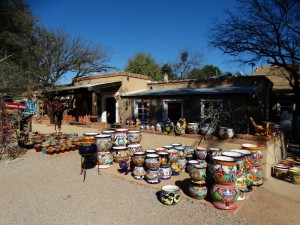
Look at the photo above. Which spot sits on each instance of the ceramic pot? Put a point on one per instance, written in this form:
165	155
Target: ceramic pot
103	142
125	166
166	172
202	162
152	161
256	150
226	132
170	194
121	137
193	128
212	152
176	145
150	151
224	196
258	175
189	150
181	151
120	153
248	158
134	148
190	164
200	152
164	159
89	136
173	155
109	132
175	168
294	174
138	172
198	190
105	159
87	148
280	171
138	158
168	147
153	176
159	149
134	137
239	157
198	174
182	164
206	129
223	170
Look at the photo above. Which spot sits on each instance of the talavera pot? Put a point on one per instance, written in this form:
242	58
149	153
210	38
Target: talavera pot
198	190
120	153
134	137
224	170
224	196
226	132
105	159
170	194
166	172
138	158
152	161
104	142
138	172
153	176
198	174
193	128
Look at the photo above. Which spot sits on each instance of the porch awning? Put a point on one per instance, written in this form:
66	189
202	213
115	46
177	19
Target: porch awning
89	87
190	92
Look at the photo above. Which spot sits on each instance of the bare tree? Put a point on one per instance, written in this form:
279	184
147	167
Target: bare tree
265	31
56	53
189	60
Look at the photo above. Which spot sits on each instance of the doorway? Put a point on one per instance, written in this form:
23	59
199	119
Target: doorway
110	103
174	111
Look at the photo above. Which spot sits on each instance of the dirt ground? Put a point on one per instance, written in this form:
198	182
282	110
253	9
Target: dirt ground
275	202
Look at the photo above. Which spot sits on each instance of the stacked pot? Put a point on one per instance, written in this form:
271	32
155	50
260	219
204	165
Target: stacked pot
104	142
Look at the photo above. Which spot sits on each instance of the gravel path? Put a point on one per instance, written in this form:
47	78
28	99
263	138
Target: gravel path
40	189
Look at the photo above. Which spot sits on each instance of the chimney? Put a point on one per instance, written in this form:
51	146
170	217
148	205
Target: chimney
166	76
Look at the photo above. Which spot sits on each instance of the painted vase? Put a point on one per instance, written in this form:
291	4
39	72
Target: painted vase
223	170
134	137
120	153
159	149
224	196
170	194
138	172
248	158
212	152
166	172
152	161
134	148
181	151
103	142
105	159
200	152
193	128
175	168
281	171
198	190
239	157
190	164
138	158
189	150
173	155
226	132
198	174
258	175
153	176
164	159
109	132
182	164
202	162
120	137
257	153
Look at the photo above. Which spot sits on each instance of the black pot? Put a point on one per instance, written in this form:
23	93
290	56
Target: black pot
87	149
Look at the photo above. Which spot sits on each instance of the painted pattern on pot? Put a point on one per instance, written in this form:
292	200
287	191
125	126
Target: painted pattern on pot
239	157
104	142
153	176
224	196
198	173
120	137
173	155
120	153
181	151
138	158
212	152
182	164
134	148
138	172
164	159
223	169
201	152
193	128
198	190
258	175
166	172
256	150
105	159
190	164
170	194
189	150
152	161
226	132
175	168
134	137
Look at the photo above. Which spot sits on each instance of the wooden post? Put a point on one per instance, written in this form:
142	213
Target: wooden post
94	104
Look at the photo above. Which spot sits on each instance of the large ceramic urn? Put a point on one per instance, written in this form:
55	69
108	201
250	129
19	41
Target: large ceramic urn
121	137
120	153
134	137
224	169
152	161
104	142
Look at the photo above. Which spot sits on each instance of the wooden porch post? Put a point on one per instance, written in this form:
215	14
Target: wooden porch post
94	104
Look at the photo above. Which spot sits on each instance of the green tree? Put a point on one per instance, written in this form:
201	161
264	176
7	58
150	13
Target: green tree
262	31
206	72
144	64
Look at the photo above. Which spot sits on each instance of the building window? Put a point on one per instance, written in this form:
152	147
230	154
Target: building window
141	110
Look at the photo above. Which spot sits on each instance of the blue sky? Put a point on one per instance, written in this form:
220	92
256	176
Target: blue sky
161	28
